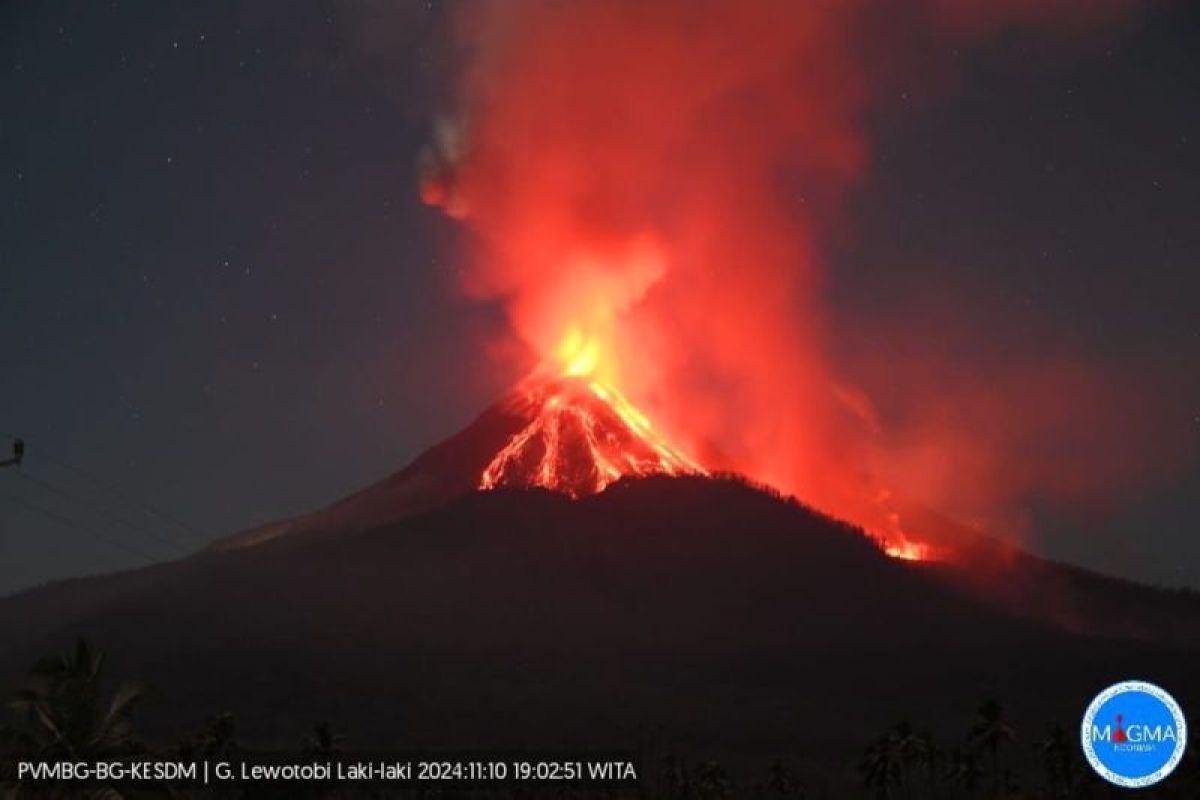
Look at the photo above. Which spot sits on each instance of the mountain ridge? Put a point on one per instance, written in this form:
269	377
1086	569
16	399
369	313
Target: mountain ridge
520	617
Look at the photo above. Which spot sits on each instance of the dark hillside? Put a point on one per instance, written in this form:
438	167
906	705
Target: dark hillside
702	613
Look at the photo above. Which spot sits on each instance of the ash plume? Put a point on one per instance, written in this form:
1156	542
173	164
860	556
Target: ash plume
666	178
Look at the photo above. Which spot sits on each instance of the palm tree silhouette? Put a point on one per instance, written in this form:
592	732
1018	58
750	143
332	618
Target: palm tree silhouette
323	743
910	748
1058	761
673	778
781	782
62	714
962	770
989	731
928	755
712	782
218	738
882	765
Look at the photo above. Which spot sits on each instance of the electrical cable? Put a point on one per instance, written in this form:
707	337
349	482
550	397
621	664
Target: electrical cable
45	485
98	482
67	522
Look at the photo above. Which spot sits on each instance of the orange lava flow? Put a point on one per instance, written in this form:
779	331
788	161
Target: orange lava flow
582	433
581	437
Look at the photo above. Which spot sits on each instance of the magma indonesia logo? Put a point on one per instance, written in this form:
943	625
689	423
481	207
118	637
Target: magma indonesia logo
1134	734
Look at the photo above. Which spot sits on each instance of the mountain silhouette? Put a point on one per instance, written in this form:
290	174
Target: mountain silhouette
699	612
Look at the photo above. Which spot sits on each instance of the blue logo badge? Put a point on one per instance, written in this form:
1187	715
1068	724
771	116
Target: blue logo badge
1134	734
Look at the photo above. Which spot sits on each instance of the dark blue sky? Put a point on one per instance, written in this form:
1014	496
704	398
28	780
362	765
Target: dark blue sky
221	296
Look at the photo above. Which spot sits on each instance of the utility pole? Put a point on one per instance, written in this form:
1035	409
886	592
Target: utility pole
18	453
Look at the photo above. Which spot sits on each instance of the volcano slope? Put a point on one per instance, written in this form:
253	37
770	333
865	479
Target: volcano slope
687	613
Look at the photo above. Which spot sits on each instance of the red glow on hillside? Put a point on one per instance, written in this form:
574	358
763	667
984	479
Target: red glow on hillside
582	435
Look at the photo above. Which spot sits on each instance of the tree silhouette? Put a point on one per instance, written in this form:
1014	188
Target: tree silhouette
929	756
323	743
781	782
962	770
910	748
1057	753
711	781
216	740
673	777
882	765
62	714
988	732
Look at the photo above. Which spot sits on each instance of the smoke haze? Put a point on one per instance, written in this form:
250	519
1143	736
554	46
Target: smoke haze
667	179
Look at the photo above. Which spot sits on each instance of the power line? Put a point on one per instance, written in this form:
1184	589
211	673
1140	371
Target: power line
116	492
101	509
65	521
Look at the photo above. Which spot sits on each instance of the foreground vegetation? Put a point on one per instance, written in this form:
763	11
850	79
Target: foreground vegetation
66	711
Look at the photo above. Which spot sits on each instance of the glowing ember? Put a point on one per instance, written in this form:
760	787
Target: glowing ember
892	537
907	550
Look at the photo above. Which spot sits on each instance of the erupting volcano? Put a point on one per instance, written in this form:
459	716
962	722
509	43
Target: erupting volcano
654	196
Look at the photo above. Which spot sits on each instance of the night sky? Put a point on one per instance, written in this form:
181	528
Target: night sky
224	303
